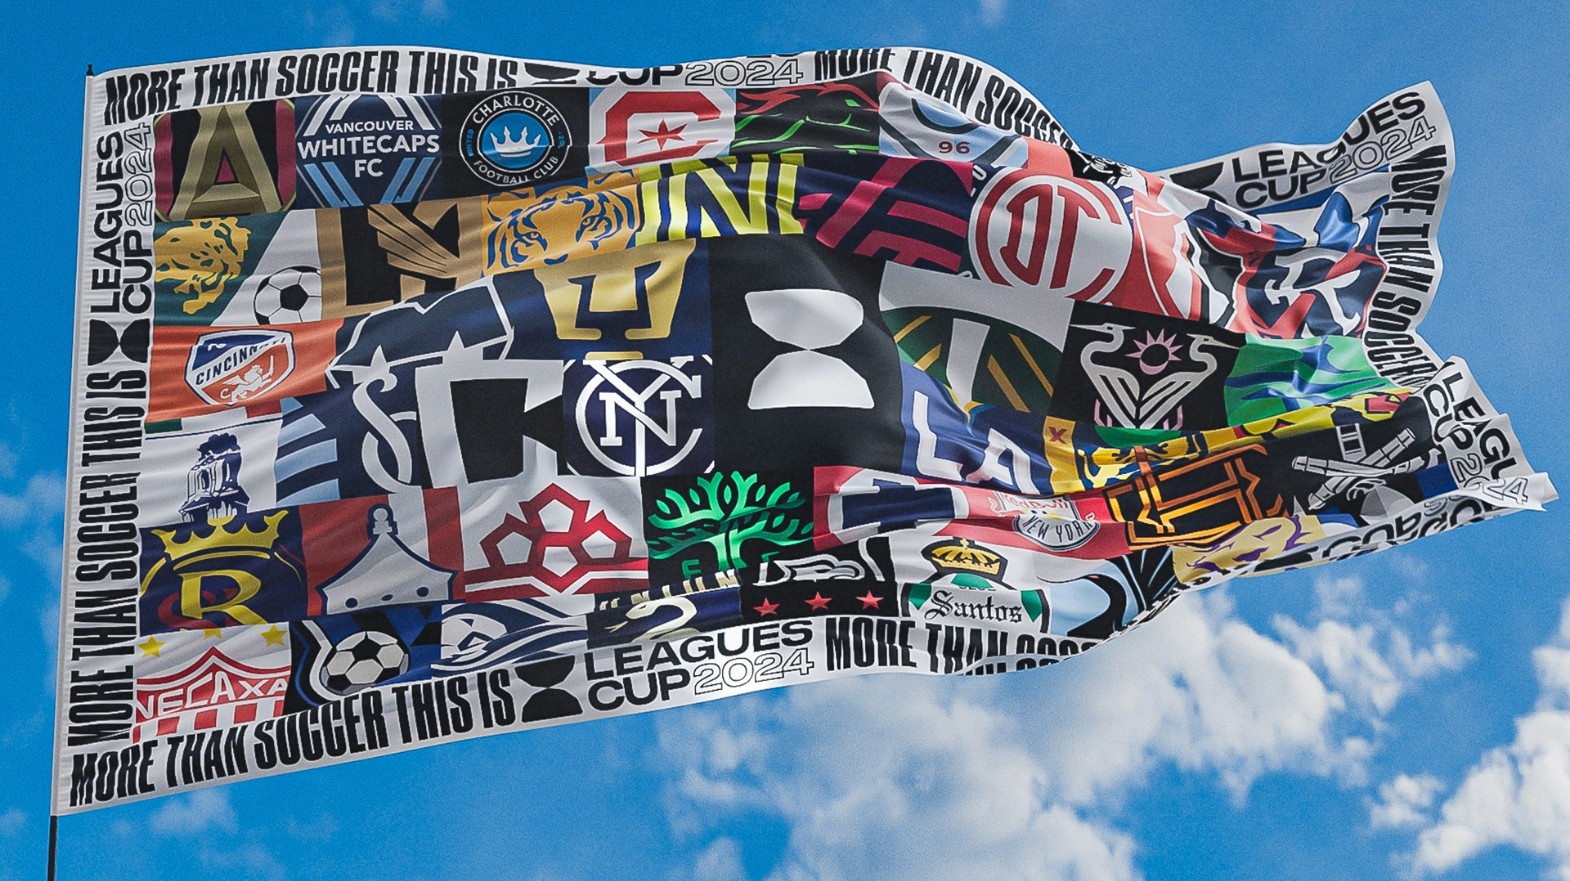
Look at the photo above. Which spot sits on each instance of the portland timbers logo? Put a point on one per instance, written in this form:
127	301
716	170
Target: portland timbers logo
514	138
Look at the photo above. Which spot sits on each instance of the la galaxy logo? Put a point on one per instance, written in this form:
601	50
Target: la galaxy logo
514	138
229	367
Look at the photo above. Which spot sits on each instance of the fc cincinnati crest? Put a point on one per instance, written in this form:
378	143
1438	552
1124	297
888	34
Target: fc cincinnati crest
230	367
514	138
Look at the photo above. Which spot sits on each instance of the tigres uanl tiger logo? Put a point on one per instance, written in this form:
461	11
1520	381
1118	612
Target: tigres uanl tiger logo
201	257
535	227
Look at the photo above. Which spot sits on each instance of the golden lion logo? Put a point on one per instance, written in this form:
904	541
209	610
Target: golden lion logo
200	258
564	222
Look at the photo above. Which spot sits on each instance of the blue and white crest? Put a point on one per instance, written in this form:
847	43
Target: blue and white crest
229	367
366	149
514	139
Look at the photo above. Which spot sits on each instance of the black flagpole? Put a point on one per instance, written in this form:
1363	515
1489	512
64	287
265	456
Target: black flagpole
54	835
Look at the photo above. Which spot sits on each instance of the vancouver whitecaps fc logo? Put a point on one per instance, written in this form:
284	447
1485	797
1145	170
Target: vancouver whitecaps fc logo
230	367
514	138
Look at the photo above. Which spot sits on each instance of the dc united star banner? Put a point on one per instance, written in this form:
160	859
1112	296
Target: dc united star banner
421	395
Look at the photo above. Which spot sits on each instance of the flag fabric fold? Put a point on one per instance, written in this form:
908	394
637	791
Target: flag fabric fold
421	395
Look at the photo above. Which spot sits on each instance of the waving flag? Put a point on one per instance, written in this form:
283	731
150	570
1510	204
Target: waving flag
422	395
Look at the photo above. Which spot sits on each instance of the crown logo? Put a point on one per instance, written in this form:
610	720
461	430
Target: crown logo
512	147
219	538
960	555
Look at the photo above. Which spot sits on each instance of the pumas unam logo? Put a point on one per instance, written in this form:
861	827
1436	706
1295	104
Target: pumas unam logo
514	138
229	367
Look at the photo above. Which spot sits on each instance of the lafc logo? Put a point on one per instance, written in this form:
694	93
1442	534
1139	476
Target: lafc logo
643	417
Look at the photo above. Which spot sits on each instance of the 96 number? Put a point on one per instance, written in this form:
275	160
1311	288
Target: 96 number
961	148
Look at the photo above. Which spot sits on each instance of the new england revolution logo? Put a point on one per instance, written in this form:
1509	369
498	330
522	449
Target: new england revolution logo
232	366
514	138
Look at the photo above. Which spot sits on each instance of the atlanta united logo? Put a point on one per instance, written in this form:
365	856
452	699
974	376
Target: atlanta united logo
230	367
514	138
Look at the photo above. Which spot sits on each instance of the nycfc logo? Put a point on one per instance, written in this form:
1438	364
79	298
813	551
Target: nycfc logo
809	319
514	138
636	417
230	367
1069	236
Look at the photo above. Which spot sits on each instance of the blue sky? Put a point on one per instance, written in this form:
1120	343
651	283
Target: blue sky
1397	716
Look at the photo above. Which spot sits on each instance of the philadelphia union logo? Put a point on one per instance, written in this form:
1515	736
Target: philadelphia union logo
514	138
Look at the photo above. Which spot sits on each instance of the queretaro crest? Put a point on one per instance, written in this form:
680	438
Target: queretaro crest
229	367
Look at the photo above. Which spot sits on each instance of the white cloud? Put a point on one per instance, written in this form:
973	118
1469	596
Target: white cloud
42	498
992	11
194	812
335	22
888	777
1368	663
36	508
400	10
720	861
11	822
1516	795
1404	801
1015	776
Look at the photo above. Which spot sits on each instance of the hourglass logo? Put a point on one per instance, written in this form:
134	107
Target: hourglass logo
810	319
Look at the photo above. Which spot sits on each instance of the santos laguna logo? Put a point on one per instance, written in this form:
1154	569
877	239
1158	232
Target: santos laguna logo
1069	236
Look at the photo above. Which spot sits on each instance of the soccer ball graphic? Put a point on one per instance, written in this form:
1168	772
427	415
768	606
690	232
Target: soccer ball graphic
361	660
289	295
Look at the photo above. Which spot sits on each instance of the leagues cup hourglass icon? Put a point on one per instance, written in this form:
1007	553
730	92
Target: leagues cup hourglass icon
809	319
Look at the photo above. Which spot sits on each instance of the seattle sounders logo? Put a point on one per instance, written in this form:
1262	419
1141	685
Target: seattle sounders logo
514	138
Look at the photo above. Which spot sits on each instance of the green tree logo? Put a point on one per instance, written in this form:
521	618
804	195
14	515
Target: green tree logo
724	511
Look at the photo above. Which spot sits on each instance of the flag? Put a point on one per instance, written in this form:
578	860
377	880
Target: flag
423	395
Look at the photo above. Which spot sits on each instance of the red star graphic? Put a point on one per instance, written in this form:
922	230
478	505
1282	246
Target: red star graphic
869	601
818	602
766	608
662	134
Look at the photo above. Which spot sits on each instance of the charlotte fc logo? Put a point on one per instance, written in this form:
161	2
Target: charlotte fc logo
229	367
514	138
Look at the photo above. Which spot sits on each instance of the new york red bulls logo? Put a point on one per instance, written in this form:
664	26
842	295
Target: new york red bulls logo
1067	235
229	367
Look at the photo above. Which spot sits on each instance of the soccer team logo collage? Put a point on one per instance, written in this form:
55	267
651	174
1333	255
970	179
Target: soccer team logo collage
483	394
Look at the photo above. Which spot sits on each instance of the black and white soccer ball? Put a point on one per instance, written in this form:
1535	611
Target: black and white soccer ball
361	660
289	296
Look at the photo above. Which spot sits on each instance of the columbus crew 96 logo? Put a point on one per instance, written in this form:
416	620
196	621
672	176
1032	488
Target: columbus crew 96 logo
1067	235
514	138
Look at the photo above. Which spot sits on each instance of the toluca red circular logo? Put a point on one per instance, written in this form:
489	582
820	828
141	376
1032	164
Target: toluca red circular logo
1065	235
